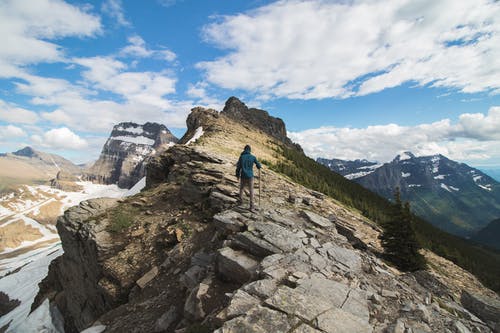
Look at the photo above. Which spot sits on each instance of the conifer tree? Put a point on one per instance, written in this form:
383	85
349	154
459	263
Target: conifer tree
399	240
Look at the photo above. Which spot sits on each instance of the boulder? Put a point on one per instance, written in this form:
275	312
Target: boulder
317	220
236	266
339	321
166	321
254	245
297	303
148	277
259	320
486	308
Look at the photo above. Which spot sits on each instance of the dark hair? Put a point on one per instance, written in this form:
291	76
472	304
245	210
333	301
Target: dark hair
248	148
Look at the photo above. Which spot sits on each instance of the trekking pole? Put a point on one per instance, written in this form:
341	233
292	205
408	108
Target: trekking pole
260	186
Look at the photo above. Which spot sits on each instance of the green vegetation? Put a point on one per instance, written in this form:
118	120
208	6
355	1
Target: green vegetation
483	263
120	219
399	240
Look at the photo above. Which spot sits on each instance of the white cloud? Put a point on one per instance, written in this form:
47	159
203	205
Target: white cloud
60	138
114	9
137	48
147	88
10	131
13	114
27	26
199	92
321	49
473	137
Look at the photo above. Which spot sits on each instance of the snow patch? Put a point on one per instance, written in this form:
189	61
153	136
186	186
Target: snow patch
358	174
405	175
138	140
131	129
485	187
370	167
446	187
137	187
23	285
404	156
94	329
40	320
454	188
197	134
414	185
440	176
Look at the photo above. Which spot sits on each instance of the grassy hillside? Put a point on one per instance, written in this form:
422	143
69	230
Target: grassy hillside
483	263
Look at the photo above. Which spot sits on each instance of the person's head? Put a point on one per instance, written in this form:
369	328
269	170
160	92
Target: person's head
248	148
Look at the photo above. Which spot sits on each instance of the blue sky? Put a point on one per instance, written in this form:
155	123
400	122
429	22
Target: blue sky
351	79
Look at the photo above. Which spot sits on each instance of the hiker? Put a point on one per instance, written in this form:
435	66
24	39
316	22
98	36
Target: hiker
244	172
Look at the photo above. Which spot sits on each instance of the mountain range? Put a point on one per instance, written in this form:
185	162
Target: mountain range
453	196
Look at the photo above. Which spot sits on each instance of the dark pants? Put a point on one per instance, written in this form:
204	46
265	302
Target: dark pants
246	182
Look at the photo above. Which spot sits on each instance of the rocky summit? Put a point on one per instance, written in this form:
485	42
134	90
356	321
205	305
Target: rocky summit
183	256
122	158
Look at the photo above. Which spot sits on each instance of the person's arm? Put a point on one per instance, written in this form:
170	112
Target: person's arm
257	163
238	168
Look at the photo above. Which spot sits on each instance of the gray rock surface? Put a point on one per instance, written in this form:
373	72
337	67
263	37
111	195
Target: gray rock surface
486	308
236	265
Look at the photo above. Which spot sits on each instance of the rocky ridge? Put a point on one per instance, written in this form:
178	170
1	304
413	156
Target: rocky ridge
124	153
189	259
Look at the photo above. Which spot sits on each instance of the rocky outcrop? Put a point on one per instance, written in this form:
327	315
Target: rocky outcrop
122	160
7	304
77	282
260	119
65	181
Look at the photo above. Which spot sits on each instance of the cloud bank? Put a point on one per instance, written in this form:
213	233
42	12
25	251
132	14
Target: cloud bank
328	49
473	137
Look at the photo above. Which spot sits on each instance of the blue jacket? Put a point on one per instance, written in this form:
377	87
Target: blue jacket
244	168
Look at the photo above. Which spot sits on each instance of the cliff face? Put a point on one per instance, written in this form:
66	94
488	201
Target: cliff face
183	256
260	119
123	155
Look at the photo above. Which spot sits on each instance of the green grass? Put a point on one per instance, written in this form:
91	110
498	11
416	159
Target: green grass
120	220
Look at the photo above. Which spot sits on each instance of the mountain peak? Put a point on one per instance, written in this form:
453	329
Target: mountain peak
406	155
260	119
26	152
234	105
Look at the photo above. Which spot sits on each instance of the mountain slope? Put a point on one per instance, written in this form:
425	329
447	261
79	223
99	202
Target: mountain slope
349	169
122	158
29	166
452	196
183	255
489	235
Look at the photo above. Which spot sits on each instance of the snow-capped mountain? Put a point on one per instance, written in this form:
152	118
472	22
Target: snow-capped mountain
122	158
451	195
350	169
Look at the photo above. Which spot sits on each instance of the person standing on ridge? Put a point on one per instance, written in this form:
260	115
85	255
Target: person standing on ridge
244	172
